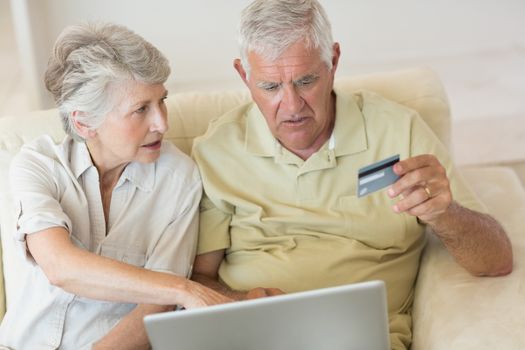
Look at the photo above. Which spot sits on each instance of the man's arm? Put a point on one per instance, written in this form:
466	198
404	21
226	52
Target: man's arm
206	272
130	333
477	241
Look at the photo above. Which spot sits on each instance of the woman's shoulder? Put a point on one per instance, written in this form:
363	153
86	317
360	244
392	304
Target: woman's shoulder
174	162
42	150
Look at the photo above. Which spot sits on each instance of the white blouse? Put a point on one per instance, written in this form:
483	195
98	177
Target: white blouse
153	223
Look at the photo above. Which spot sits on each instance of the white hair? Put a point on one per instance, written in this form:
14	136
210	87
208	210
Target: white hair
269	27
87	59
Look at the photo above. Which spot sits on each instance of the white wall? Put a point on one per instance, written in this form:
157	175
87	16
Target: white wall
199	36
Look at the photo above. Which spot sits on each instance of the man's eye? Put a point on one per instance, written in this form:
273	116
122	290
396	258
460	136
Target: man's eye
269	86
141	109
306	81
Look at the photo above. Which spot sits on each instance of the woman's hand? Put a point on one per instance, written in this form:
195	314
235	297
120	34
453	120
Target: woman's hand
198	295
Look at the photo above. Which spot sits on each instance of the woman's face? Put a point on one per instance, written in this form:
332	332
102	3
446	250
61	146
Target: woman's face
133	130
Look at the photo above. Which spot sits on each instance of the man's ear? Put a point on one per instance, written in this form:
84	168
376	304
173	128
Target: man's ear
240	69
81	128
336	53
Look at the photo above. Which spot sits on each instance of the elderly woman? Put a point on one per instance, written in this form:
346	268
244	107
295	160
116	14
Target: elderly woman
107	218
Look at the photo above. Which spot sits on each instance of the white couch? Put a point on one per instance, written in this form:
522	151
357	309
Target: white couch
452	309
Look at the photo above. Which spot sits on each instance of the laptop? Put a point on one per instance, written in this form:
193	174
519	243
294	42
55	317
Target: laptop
346	317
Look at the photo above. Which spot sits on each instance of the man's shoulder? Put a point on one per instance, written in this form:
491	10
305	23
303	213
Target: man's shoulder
227	127
373	104
379	113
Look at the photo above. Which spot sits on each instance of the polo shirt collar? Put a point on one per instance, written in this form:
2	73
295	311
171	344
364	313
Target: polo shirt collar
141	175
349	134
349	130
259	140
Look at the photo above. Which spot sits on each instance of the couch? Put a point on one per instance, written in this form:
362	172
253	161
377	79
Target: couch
452	309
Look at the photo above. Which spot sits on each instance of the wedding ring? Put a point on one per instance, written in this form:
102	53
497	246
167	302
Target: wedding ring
427	191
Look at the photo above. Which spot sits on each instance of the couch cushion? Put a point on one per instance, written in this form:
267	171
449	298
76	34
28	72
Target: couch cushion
4	159
6	229
190	112
416	88
421	90
18	129
453	309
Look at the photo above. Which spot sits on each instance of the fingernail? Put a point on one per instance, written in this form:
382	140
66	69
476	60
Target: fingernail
396	209
391	192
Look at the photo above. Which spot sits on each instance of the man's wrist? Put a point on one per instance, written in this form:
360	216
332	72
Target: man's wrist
445	225
438	222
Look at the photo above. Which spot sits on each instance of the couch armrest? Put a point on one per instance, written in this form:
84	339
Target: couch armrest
454	310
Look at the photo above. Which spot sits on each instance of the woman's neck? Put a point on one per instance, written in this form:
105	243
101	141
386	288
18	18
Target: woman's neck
108	171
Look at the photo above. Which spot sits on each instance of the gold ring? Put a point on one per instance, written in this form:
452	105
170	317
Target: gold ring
427	191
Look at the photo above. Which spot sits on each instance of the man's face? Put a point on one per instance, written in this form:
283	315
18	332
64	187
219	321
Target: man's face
294	93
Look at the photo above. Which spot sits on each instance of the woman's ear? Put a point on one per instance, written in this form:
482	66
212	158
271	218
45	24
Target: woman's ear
82	129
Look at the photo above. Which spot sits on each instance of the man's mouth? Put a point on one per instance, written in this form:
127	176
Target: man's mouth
295	121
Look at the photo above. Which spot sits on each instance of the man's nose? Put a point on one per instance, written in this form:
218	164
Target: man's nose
292	100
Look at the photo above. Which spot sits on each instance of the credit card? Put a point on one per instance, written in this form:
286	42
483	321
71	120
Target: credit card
376	176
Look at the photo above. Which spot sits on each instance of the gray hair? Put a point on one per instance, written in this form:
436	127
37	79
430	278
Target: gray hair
87	59
269	27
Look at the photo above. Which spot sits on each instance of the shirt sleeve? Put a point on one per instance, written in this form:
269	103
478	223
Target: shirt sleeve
214	227
174	252
36	193
215	211
424	141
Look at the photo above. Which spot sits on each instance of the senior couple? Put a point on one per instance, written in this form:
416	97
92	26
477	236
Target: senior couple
112	220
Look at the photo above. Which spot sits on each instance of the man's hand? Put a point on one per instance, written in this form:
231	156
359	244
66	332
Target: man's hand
477	241
423	187
256	293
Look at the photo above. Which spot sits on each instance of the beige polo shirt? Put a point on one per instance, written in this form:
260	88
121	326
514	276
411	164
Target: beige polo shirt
153	223
298	225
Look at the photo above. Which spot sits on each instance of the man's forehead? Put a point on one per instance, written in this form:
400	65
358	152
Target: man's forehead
290	69
297	60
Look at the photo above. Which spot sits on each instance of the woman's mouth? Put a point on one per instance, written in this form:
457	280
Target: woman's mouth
153	145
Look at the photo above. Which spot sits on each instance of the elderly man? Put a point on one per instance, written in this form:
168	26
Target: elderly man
279	176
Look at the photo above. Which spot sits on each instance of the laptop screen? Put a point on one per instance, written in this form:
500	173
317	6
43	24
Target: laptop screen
346	317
